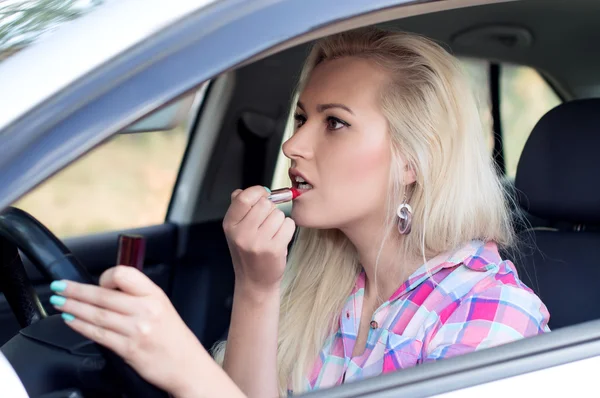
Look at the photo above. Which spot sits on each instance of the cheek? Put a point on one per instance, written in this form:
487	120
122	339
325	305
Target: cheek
369	171
363	178
370	164
353	183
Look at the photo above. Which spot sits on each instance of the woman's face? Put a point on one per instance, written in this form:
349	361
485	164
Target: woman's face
341	146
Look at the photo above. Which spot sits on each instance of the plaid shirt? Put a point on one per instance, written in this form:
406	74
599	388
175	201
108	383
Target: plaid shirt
456	303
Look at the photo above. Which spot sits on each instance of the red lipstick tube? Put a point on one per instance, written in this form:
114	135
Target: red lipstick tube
283	195
132	250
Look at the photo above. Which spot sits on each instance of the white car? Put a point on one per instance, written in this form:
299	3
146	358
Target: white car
141	116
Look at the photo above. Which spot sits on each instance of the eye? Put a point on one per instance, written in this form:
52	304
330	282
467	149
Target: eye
300	120
333	123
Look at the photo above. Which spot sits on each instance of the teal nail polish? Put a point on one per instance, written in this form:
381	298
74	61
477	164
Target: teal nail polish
67	317
58	301
268	190
58	286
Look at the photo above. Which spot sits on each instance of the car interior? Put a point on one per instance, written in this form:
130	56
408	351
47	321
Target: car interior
236	132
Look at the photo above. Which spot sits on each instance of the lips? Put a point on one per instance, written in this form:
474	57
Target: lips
299	181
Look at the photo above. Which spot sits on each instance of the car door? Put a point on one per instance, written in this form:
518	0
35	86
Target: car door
124	186
212	36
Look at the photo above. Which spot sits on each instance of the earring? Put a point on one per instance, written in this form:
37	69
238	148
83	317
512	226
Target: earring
404	213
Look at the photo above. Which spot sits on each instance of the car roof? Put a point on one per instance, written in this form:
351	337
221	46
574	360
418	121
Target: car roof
76	48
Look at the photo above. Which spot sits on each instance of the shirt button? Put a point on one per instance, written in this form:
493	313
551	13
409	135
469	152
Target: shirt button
374	325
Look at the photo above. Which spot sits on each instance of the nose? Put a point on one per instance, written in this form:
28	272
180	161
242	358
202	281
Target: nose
299	145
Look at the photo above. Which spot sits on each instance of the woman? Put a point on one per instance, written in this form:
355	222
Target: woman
396	258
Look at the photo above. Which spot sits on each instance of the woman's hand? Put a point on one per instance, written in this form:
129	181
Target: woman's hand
258	234
133	317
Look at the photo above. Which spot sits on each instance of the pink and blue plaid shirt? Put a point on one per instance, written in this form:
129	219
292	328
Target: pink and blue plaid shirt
455	303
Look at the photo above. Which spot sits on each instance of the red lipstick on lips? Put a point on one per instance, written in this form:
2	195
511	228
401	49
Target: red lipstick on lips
283	195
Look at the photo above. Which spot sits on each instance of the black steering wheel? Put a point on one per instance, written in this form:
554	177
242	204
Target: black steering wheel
49	357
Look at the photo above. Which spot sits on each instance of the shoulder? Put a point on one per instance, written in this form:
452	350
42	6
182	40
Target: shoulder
475	269
484	284
498	299
481	269
489	305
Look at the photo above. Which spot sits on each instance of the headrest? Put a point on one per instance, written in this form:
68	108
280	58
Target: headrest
558	175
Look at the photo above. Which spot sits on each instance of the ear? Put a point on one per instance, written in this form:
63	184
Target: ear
409	175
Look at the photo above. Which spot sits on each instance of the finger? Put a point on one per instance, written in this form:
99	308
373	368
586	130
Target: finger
285	233
99	296
106	319
257	215
243	202
129	280
272	224
113	341
235	193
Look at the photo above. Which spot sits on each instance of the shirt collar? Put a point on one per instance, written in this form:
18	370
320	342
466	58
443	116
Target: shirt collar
475	255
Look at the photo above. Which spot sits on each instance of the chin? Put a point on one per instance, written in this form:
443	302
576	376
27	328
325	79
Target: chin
301	218
308	219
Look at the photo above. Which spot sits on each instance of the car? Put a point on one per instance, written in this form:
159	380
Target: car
140	118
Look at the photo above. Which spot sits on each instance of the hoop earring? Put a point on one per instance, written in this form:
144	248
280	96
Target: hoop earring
404	213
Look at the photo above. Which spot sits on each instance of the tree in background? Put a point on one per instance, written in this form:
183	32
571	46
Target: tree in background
22	22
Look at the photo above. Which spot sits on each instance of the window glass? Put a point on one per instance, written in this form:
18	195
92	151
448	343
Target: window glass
525	97
125	183
478	74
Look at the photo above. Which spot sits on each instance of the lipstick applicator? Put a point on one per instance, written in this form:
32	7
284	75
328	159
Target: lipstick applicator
283	195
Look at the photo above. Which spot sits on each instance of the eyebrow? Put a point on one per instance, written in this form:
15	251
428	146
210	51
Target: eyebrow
324	107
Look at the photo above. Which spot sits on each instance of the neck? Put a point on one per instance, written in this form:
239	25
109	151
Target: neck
384	267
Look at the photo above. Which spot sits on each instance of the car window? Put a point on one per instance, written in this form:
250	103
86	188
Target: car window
478	75
124	183
525	96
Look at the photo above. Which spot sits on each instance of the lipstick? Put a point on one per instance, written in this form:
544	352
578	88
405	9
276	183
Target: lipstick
283	195
131	251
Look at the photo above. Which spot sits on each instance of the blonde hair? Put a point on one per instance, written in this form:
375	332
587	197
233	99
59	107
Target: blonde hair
435	128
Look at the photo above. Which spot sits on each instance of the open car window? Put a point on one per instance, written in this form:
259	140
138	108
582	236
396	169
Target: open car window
125	183
525	96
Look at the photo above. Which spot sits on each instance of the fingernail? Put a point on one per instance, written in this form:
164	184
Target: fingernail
67	317
58	286
268	190
57	300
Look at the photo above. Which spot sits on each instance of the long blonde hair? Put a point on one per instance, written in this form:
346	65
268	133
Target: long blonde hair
435	128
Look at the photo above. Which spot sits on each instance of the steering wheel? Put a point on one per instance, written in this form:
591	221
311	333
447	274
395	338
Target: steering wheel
48	356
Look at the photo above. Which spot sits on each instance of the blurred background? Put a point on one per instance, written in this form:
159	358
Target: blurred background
94	194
